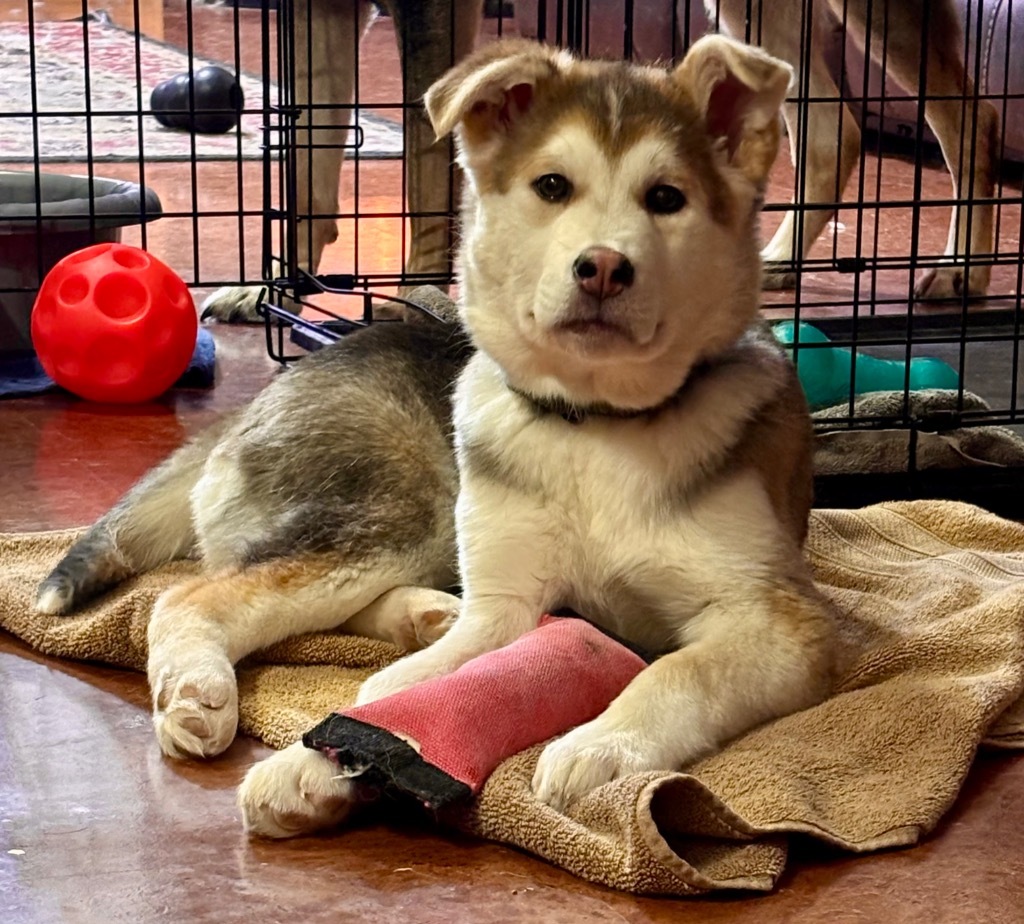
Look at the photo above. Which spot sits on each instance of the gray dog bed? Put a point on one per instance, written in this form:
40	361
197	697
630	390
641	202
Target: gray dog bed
888	451
40	226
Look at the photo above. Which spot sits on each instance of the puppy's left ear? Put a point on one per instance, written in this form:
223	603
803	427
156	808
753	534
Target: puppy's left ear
739	90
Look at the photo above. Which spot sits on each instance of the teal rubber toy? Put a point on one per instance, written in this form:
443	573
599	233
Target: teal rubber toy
824	372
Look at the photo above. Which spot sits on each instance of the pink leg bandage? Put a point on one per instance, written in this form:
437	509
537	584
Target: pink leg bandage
441	739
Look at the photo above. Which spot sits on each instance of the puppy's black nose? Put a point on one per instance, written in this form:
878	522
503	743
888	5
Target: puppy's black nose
603	272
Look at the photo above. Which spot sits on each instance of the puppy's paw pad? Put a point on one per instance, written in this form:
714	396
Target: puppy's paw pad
233	305
295	791
431	614
195	712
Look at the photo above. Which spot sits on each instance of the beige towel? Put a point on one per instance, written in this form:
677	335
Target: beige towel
931	597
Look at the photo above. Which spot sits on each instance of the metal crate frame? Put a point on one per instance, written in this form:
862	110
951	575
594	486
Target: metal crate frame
865	324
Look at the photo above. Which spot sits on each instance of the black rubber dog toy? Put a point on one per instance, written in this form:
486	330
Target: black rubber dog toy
218	101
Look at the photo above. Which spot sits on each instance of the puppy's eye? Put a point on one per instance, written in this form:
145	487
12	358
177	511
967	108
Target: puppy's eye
553	187
664	200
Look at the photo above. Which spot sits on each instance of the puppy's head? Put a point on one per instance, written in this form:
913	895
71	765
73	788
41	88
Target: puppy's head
609	222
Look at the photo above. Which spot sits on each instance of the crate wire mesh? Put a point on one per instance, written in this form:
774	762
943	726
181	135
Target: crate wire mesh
856	282
245	208
310	155
75	86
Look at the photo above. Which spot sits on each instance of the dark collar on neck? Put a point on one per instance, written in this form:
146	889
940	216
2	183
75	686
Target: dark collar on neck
578	413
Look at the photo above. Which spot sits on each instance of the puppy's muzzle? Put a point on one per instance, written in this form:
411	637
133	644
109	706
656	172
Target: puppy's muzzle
603	272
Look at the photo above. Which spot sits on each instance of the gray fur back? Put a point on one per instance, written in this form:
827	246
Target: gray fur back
351	450
348	453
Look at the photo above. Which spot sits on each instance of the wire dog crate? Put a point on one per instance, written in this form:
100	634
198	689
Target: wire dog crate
76	80
859	248
330	198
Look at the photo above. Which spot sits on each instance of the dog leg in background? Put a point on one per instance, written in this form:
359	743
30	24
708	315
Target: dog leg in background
201	628
327	37
959	117
823	178
149	526
828	168
432	36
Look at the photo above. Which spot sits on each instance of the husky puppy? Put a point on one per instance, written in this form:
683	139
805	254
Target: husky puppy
327	502
629	443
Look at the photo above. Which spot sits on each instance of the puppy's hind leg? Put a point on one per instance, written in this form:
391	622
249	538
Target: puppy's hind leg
149	526
200	629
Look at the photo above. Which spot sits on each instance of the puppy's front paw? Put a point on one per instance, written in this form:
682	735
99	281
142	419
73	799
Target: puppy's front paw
195	708
233	304
590	756
296	791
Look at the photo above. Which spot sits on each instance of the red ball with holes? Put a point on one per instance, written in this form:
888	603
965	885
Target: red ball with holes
112	323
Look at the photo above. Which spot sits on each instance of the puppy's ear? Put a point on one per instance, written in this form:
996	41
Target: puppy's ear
490	89
739	90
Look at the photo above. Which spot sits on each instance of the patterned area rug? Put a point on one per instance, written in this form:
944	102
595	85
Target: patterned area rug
103	116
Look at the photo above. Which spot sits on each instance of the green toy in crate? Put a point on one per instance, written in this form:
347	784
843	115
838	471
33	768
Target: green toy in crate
825	372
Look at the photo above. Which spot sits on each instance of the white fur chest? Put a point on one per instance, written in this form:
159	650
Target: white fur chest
632	522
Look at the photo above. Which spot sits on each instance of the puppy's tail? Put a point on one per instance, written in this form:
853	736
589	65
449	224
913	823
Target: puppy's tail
149	526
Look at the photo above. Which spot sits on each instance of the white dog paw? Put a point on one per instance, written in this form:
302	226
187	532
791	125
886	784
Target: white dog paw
233	304
430	614
590	756
296	791
195	710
